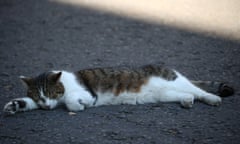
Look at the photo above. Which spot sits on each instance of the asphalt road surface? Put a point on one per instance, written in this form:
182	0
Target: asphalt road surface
37	36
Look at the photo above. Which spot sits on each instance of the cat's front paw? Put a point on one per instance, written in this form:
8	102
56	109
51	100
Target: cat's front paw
14	106
75	105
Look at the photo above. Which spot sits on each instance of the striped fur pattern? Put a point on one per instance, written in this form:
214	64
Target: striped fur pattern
123	79
111	86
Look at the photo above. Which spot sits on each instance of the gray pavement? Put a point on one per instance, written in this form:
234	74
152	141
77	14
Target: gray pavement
37	36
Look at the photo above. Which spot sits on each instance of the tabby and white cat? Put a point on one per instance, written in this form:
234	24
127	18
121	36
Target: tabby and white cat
112	86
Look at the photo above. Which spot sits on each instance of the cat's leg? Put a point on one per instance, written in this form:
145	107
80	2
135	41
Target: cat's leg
19	105
185	99
218	88
184	85
209	99
79	100
74	105
202	95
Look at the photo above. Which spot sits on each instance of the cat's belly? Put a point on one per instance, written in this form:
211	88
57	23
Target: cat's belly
111	99
152	92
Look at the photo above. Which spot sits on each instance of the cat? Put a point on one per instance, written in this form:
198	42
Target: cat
112	86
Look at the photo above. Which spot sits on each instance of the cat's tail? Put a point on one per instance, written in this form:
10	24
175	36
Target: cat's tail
219	88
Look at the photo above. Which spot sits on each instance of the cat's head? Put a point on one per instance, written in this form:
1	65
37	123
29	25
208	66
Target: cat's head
45	89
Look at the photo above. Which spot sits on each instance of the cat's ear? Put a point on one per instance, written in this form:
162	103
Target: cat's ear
26	81
55	77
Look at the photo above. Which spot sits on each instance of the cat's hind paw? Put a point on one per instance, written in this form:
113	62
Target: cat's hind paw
13	106
212	100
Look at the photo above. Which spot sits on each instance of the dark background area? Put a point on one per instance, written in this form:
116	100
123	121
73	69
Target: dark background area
38	36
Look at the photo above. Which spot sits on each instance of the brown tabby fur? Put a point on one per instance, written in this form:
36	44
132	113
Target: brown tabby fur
123	79
49	84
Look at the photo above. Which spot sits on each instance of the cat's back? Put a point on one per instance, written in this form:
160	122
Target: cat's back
120	79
